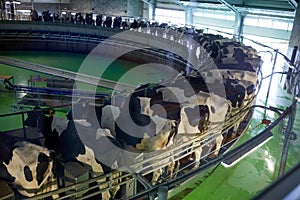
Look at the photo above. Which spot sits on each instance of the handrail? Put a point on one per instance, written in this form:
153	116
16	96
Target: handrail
37	110
93	80
95	40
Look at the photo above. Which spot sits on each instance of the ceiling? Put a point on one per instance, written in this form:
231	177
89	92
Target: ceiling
280	5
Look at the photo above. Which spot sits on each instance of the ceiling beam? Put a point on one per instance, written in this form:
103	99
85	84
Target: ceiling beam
146	1
293	3
178	2
231	7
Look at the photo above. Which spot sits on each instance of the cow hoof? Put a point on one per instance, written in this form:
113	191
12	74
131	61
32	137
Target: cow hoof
197	165
211	156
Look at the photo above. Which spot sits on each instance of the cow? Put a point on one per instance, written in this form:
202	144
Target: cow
190	84
44	124
27	165
212	109
236	47
108	22
218	106
246	79
240	75
33	116
117	22
132	127
235	93
194	121
145	103
138	129
243	76
147	125
161	141
99	20
219	140
172	94
59	125
134	100
102	116
255	62
109	114
247	66
239	85
193	114
69	146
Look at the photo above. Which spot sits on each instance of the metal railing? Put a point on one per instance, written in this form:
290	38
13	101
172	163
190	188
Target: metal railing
93	80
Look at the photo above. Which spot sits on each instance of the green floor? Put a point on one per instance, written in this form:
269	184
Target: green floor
241	181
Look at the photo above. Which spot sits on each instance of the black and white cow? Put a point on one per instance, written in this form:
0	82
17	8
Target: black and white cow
192	119
69	145
26	165
103	116
161	141
33	116
132	127
239	85
215	114
240	75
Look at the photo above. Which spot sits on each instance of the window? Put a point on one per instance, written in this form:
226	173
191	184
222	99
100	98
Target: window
280	24
219	15
251	20
269	22
209	13
172	16
229	16
265	22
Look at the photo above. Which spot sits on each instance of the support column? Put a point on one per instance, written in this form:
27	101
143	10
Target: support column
238	25
2	10
135	8
163	193
188	16
295	37
32	5
151	10
293	51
